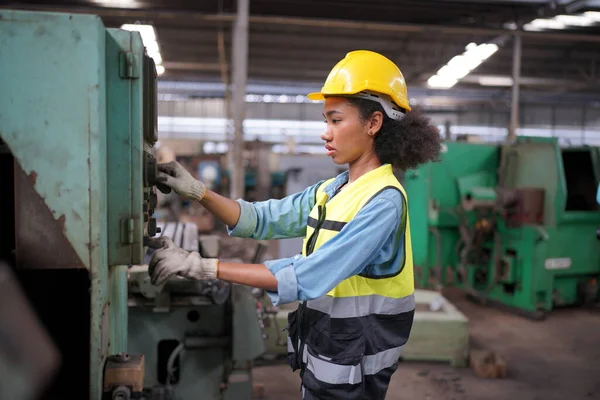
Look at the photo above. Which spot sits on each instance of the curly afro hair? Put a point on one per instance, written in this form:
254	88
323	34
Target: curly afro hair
405	144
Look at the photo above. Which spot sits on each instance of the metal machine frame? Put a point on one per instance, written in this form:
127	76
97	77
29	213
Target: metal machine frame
77	127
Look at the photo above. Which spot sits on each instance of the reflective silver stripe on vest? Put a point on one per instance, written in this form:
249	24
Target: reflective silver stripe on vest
290	348
359	306
336	374
333	373
384	359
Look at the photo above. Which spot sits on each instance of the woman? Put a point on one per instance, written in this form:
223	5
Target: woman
354	277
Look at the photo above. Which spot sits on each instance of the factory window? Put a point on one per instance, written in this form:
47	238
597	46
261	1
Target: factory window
581	180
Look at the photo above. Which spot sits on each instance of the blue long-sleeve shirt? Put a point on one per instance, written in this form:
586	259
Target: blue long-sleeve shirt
367	240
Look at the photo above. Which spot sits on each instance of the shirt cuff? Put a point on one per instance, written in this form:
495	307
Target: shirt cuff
287	282
246	224
275	265
287	287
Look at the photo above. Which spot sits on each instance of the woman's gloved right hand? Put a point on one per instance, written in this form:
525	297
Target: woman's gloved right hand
170	259
174	176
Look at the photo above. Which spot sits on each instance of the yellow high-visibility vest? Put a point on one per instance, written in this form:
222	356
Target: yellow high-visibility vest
347	343
327	218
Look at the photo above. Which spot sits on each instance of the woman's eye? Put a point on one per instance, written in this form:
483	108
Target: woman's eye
335	121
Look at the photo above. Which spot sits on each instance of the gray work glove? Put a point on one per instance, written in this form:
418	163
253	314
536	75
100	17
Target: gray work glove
174	176
169	259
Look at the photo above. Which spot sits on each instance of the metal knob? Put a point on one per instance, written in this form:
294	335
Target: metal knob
121	393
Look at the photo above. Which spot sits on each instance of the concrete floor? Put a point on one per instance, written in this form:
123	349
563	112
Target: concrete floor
554	359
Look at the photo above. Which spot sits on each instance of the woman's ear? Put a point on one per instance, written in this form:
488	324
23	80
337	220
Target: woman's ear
375	122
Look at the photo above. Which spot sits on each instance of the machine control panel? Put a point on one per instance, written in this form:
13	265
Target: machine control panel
150	197
150	134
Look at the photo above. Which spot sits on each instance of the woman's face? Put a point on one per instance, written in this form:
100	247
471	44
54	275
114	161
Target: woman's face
346	138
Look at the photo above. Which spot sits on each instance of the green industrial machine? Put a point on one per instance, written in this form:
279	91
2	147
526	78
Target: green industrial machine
199	338
77	128
77	119
513	224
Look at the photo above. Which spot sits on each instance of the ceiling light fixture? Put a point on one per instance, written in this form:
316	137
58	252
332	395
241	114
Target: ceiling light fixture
460	66
491	80
587	18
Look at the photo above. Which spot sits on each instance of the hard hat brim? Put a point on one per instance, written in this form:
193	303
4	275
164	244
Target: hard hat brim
316	96
321	96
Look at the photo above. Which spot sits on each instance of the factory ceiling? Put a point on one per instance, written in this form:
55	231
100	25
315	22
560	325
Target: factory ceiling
296	42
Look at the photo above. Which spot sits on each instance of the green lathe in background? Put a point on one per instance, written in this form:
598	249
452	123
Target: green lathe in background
514	224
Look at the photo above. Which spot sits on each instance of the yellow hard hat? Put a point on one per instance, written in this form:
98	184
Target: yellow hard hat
365	71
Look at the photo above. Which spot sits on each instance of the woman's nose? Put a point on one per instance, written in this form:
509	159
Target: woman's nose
326	135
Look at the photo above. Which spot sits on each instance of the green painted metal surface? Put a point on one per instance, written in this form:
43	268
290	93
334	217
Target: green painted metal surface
200	370
247	336
216	345
434	197
417	184
537	164
118	309
125	145
52	116
62	142
533	267
75	123
130	119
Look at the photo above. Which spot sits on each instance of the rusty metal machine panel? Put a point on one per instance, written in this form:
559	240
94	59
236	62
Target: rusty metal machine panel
77	126
53	119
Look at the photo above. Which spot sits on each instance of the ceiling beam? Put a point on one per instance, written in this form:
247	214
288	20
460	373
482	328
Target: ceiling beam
529	80
295	67
191	66
316	45
315	22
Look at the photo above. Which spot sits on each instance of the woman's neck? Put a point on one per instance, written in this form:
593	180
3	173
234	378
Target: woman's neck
358	168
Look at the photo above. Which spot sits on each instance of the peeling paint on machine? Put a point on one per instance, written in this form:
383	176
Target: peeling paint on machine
73	130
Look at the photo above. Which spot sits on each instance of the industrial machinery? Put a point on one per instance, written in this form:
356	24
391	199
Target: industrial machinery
198	337
77	126
514	224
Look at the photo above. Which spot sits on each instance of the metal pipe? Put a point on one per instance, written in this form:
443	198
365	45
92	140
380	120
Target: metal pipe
240	77
316	22
515	99
118	308
224	69
192	66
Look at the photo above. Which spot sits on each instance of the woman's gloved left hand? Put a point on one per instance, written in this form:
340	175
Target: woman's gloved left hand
174	176
170	259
